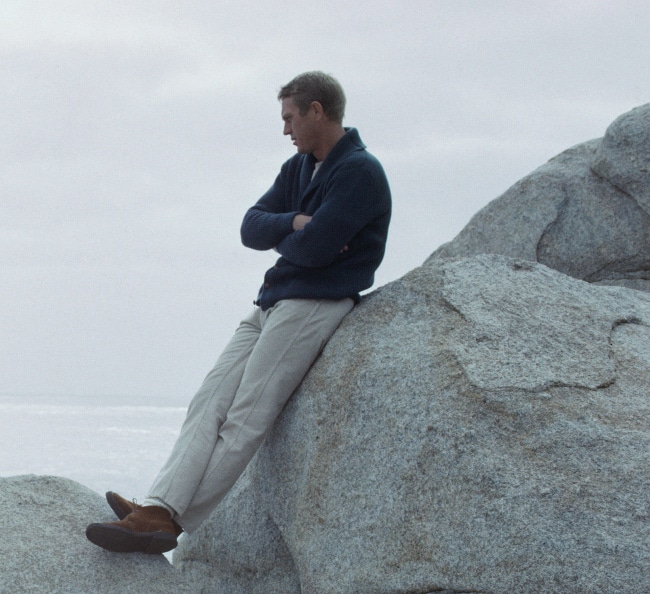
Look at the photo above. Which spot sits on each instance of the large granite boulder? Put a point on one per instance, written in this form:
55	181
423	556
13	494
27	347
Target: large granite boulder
479	425
44	548
585	213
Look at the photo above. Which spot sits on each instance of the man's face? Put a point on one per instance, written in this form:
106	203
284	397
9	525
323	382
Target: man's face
303	130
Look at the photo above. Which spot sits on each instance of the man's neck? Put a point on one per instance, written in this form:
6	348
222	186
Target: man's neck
329	140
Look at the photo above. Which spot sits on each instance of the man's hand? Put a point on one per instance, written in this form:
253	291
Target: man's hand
299	221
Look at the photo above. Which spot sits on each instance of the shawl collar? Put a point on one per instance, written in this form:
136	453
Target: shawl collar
348	143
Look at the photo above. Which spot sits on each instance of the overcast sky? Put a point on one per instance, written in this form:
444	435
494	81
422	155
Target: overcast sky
136	134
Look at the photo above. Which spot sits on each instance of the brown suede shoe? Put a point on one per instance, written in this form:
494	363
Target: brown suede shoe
145	530
123	508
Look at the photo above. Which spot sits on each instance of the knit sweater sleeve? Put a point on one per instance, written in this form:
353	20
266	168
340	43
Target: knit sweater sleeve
267	222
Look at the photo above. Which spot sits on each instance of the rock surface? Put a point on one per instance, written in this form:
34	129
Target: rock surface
44	547
623	156
479	425
585	213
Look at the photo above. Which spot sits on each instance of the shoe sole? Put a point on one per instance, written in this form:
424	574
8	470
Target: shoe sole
121	540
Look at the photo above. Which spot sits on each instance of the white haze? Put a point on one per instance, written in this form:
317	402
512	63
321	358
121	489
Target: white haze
136	134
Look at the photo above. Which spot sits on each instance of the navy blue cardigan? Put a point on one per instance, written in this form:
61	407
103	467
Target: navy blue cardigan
350	204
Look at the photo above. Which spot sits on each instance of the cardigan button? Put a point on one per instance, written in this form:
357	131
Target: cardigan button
267	285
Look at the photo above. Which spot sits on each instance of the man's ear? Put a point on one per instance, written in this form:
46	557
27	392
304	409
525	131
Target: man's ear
318	110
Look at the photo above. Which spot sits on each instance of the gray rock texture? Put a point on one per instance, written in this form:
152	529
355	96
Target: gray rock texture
479	425
585	213
44	547
623	156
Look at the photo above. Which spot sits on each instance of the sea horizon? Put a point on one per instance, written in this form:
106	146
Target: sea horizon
104	442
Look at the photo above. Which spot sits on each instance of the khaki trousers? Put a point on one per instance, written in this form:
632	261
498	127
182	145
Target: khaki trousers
241	397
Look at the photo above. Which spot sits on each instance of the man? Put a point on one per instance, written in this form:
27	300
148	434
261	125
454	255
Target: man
327	215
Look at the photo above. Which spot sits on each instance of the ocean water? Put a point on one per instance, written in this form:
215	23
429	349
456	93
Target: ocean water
102	443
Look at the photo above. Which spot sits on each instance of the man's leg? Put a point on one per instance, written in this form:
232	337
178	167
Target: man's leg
150	527
179	478
293	334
